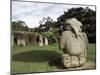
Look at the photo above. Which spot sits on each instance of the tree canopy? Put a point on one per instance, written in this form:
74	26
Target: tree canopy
19	26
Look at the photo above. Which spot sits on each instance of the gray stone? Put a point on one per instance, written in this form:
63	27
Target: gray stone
73	42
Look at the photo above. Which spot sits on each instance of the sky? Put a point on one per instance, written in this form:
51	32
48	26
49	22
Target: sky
31	12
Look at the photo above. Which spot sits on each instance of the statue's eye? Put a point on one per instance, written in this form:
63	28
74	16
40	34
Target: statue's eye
68	25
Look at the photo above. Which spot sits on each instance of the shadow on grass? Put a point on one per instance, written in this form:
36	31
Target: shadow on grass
37	56
53	57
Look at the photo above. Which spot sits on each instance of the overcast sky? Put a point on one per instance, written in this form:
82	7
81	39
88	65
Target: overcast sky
31	13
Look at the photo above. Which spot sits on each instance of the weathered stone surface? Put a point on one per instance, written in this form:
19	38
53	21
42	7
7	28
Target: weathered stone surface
40	40
73	42
66	60
21	41
12	40
46	41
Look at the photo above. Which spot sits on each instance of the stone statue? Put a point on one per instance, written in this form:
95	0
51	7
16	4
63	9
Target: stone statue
40	40
73	42
21	40
46	41
12	40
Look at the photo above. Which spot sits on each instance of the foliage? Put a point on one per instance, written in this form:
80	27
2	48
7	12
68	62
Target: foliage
49	34
45	24
19	26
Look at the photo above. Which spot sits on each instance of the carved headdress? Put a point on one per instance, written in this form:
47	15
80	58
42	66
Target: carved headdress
75	25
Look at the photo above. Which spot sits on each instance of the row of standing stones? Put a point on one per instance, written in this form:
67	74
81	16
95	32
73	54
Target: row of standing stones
23	38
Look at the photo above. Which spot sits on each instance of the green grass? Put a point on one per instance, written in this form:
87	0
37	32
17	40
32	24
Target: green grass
41	59
91	53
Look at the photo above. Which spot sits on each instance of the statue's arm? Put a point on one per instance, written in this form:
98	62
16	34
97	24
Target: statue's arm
62	41
86	39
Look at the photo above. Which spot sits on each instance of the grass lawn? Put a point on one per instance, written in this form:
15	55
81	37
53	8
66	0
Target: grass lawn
41	59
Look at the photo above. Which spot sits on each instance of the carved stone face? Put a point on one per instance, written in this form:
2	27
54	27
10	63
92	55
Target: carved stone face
73	24
67	26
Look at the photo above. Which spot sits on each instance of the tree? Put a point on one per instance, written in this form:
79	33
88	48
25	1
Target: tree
19	25
45	24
